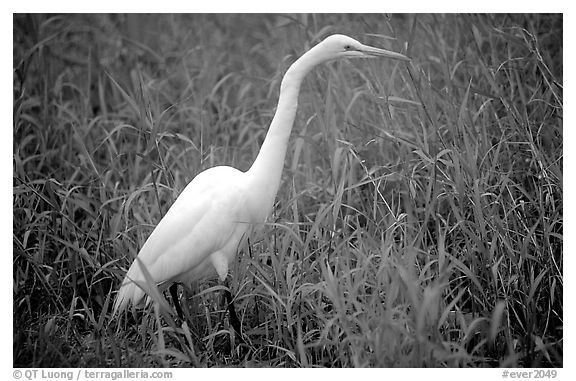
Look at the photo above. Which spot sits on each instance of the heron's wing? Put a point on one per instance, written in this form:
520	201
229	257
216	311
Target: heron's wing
207	215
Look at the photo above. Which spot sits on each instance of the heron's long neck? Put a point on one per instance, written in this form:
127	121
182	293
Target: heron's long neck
266	171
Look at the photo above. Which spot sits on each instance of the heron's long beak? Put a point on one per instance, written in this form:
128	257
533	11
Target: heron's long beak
376	52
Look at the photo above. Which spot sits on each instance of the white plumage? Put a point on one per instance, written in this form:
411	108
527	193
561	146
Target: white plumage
200	234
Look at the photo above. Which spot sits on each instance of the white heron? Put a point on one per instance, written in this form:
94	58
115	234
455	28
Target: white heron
200	234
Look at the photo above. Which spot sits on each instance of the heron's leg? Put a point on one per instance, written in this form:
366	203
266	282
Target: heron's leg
174	294
232	311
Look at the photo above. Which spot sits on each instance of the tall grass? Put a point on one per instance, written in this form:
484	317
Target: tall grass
419	222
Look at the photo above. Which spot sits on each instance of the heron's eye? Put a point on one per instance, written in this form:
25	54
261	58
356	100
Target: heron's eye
347	47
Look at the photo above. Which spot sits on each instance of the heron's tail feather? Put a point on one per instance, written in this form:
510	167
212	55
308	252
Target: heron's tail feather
129	293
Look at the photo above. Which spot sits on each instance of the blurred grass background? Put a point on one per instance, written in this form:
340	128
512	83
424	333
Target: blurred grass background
420	219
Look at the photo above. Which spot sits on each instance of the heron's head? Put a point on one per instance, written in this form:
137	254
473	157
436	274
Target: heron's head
340	46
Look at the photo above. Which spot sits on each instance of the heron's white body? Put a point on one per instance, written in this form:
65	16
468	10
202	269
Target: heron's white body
200	234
